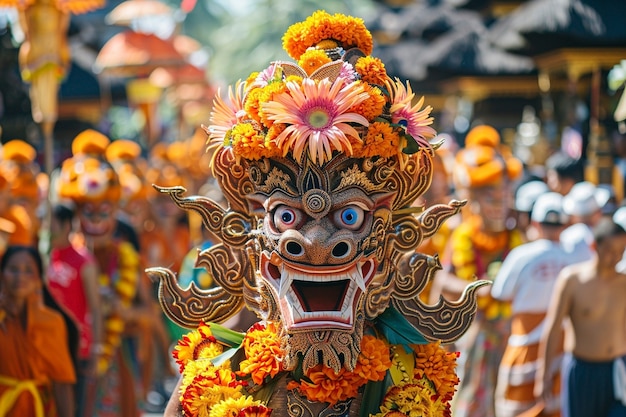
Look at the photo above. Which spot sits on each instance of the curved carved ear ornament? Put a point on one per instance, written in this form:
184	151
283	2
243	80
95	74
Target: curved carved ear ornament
232	227
445	321
189	307
227	263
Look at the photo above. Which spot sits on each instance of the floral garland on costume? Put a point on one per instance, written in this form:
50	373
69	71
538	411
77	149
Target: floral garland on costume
466	240
418	383
125	288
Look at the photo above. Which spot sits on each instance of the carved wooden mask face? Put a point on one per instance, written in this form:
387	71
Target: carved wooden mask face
321	229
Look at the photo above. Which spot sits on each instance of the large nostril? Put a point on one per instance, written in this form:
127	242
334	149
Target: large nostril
294	248
341	249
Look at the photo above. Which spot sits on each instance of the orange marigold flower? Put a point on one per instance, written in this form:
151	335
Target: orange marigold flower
248	142
264	355
372	70
274	151
321	26
374	360
253	103
265	95
438	365
312	59
372	106
325	385
381	140
255	411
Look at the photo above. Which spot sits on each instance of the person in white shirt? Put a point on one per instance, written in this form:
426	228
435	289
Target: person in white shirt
526	279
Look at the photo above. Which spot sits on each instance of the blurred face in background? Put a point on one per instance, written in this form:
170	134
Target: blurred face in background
97	219
492	203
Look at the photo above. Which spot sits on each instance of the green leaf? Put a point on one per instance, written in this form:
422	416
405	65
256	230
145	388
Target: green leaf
397	330
226	336
224	356
411	145
373	396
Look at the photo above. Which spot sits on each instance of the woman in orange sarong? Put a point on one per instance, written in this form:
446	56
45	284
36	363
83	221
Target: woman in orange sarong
36	371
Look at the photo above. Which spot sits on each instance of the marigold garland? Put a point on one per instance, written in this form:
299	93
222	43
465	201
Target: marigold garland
466	240
125	289
325	385
206	388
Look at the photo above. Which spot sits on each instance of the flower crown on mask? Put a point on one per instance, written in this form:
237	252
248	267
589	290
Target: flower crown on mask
336	99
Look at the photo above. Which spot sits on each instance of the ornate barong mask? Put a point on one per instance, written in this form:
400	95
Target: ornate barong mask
320	162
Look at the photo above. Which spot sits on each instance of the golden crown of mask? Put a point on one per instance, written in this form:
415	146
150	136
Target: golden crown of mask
320	162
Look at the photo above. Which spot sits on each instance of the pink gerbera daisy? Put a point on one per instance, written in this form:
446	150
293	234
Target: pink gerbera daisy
416	122
316	113
225	115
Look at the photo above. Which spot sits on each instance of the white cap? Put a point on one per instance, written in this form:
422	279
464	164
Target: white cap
619	217
549	209
528	193
585	199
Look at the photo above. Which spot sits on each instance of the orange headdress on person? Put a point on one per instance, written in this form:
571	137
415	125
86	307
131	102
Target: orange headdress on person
87	176
165	165
125	157
484	160
20	170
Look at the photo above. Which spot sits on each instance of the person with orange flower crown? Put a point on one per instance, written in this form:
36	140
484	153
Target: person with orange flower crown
15	213
153	340
19	167
484	172
92	184
320	160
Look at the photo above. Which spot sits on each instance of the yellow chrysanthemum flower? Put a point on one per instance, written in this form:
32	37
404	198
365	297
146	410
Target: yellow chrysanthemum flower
248	142
312	59
231	407
321	26
372	70
416	398
197	344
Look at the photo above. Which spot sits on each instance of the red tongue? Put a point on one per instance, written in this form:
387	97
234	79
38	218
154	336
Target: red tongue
320	296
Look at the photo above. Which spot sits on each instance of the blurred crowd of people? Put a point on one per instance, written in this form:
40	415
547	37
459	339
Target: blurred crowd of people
82	237
80	318
549	337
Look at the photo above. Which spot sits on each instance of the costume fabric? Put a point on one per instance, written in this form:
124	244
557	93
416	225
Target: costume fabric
66	286
482	346
526	278
589	389
38	356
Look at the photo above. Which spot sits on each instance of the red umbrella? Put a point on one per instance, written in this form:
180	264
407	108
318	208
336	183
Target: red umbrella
134	54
